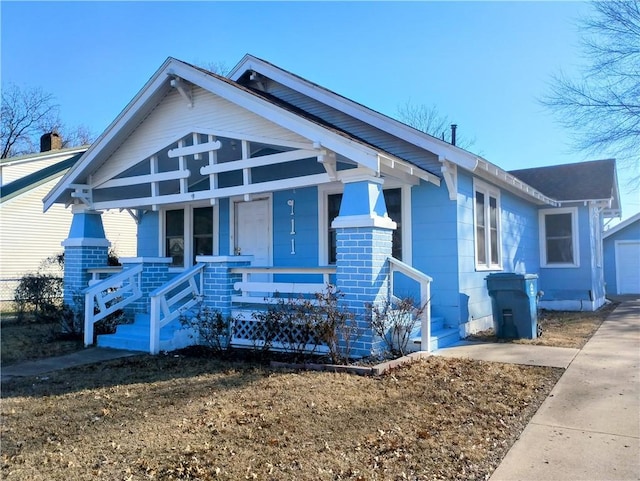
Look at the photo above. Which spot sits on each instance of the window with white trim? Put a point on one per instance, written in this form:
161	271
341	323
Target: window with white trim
188	233
486	220
559	237
393	201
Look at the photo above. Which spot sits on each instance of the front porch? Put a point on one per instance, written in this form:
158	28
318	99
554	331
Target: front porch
235	288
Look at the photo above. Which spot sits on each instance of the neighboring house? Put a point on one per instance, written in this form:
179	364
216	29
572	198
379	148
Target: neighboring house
28	236
622	257
264	183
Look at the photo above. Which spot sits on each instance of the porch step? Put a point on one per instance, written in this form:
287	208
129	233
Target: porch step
441	335
135	337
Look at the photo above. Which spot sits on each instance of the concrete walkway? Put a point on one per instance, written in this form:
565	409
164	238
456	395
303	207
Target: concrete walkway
39	367
589	426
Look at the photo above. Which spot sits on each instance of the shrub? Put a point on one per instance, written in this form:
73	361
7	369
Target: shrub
394	323
38	294
212	329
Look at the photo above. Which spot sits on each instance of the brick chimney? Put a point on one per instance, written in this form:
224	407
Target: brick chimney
50	141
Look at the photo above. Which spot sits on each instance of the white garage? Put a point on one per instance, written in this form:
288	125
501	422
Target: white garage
628	267
621	246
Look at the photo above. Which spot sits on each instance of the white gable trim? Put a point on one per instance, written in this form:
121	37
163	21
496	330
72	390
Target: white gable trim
155	88
622	225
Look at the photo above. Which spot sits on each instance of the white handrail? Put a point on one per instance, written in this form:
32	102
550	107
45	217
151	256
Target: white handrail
424	280
108	296
163	309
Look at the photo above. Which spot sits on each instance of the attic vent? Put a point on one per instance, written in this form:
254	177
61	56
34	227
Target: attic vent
50	141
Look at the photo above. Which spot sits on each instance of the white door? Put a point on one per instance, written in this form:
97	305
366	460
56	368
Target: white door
628	267
253	231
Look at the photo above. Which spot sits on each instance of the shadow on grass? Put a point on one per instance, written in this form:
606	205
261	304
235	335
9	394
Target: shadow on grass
172	370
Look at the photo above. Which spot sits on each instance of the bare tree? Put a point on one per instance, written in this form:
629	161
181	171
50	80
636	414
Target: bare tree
429	120
26	115
602	108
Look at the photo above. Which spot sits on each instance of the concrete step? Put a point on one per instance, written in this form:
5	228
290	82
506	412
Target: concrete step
136	336
439	338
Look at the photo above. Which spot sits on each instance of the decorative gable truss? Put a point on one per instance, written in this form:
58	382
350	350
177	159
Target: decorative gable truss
210	165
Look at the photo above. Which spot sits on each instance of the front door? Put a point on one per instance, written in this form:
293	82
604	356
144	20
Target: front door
253	231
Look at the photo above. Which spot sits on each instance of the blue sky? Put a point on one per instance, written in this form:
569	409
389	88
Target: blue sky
484	64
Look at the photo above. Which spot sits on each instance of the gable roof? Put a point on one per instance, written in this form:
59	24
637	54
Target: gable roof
622	225
159	85
594	180
42	176
250	65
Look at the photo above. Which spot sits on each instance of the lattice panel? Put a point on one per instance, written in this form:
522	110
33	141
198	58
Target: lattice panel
257	332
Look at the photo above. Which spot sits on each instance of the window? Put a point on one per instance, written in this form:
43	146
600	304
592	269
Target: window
393	200
558	232
174	237
487	227
188	233
202	232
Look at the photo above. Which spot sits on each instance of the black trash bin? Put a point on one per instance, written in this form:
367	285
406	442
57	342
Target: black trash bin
515	304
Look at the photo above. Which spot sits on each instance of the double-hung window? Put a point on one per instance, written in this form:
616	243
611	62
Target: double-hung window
188	233
487	227
558	237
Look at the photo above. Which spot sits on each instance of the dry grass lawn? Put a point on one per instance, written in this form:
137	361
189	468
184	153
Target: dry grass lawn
176	418
559	329
186	418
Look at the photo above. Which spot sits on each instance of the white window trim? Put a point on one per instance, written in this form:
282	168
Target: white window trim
488	191
187	232
325	190
574	237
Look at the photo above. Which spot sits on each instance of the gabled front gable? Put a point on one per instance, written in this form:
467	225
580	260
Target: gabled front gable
182	102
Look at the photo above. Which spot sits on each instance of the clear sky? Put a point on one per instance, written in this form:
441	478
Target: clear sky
483	64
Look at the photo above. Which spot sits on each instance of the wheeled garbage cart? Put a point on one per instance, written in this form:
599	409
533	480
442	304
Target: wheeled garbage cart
514	298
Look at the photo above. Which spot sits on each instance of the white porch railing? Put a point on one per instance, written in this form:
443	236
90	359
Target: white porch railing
107	296
425	296
264	290
172	299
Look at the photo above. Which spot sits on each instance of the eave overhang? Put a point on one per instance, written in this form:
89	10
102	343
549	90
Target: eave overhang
175	73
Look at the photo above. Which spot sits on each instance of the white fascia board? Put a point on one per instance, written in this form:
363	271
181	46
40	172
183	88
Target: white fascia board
439	147
618	227
353	150
37	156
129	112
510	182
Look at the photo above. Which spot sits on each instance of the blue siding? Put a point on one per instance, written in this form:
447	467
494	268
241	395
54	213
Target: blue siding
224	233
305	217
628	233
148	230
572	283
434	234
519	244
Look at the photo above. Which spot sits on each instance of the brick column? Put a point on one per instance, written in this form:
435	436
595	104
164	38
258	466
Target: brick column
85	248
364	233
155	273
218	280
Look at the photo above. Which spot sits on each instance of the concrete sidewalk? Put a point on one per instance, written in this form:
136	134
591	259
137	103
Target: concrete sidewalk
39	367
589	426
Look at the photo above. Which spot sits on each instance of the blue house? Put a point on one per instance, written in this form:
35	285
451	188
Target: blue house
622	257
263	183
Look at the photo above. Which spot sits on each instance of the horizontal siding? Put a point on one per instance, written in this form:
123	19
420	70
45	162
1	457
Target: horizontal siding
17	171
519	243
374	136
28	236
173	118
